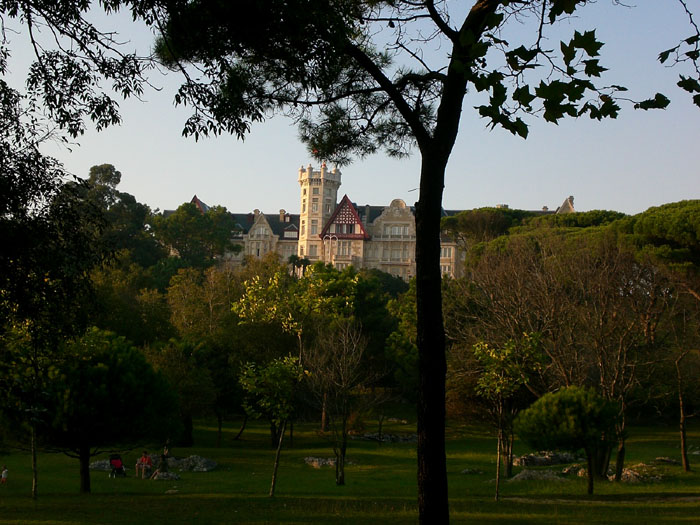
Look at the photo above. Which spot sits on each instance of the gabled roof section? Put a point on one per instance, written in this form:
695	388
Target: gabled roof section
345	213
203	208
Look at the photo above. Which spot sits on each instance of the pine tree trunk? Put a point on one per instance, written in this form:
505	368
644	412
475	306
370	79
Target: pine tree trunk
433	507
84	454
277	458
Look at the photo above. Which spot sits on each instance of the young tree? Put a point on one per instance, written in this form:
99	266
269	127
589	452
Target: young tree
340	381
505	370
572	419
271	392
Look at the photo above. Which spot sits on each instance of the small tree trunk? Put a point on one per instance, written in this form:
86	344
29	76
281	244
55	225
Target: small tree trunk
681	421
277	458
245	422
84	454
381	428
591	470
35	470
498	461
509	454
340	451
620	460
219	432
684	444
324	415
340	462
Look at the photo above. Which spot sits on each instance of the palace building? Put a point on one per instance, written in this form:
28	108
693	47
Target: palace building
341	233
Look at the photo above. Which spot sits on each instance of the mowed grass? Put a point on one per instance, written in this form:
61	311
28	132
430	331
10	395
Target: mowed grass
380	485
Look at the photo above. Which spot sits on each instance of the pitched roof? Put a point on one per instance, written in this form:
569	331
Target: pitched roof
345	213
203	208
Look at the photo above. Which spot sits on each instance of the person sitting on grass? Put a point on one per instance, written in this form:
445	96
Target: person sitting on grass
3	476
162	466
144	463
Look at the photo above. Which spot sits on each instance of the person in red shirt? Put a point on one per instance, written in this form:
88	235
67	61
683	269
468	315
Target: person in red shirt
144	463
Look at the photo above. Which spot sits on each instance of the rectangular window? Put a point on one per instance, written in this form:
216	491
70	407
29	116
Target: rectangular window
314	227
312	249
315	191
314	207
446	251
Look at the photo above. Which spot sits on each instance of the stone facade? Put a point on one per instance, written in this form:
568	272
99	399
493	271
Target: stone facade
343	233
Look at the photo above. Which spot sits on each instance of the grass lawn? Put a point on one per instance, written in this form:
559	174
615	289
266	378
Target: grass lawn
380	485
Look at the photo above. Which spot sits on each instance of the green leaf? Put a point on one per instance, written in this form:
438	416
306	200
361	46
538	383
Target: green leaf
520	128
690	85
568	52
560	7
588	42
663	56
592	68
658	102
523	96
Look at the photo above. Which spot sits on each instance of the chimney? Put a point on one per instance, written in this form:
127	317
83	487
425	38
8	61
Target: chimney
282	213
366	214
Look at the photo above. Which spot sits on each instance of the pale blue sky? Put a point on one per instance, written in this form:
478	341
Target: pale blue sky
642	159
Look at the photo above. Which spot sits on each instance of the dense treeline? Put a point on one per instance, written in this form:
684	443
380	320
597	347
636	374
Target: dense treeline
612	299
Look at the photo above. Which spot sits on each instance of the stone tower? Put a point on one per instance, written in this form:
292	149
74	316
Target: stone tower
319	197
